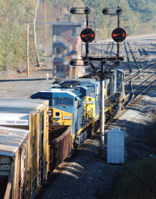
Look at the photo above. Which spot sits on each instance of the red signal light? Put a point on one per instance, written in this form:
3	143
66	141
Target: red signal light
92	35
87	35
119	34
114	35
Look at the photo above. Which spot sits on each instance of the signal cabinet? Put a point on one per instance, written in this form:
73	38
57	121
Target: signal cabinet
115	146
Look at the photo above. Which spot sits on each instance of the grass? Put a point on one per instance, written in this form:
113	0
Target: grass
151	134
140	180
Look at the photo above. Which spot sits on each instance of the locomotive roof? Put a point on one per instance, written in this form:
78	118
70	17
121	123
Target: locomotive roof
23	106
11	140
84	81
58	90
69	83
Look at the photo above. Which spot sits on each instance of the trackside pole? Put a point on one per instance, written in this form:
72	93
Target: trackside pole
102	113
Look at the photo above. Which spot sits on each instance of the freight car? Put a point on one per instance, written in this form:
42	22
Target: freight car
76	103
12	152
30	147
24	146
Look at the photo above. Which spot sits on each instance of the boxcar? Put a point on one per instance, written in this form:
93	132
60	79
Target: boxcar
30	115
13	156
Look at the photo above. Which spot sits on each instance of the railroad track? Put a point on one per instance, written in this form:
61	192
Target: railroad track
142	88
139	78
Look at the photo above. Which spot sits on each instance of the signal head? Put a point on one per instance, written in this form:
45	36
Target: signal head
73	10
87	35
105	11
117	63
119	34
86	62
73	62
119	11
87	10
104	62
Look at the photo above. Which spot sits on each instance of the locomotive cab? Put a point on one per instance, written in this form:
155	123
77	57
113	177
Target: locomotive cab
61	105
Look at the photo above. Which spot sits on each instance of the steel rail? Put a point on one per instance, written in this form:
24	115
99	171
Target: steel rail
134	96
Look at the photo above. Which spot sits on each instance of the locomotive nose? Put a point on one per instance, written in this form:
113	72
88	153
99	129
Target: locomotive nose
60	117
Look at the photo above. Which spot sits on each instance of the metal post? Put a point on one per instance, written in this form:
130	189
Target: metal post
102	111
118	47
118	21
95	28
118	42
71	71
87	51
87	20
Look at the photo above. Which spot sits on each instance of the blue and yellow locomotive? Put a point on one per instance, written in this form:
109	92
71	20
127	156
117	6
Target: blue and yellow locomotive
76	103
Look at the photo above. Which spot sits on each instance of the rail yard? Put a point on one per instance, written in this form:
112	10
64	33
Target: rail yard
84	174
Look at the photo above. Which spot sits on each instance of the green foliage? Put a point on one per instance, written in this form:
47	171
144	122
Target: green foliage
13	16
138	16
146	9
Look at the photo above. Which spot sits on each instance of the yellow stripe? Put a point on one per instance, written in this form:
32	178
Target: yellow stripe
78	132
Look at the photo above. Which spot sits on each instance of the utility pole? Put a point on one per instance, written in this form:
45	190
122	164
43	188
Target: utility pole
102	110
45	32
27	54
35	37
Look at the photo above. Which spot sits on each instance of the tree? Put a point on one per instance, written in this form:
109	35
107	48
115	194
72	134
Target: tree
35	38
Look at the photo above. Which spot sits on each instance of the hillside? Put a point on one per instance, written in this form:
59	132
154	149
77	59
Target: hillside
137	17
26	25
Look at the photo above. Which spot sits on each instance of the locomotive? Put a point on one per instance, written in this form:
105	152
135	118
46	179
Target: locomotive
76	102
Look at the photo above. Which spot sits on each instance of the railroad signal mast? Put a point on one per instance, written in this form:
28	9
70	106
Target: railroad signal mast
87	36
118	34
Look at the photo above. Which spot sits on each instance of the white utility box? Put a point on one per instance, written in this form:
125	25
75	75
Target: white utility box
115	146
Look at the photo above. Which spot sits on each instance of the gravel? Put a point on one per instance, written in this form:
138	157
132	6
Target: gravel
18	85
85	175
24	88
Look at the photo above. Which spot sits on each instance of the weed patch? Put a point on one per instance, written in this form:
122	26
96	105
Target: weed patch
140	180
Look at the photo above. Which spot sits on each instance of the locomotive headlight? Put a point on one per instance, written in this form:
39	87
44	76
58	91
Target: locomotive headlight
49	113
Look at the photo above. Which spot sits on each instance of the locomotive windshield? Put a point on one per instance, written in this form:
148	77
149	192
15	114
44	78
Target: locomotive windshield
62	102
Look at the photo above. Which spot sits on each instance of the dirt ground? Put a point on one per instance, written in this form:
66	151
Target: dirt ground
20	85
35	72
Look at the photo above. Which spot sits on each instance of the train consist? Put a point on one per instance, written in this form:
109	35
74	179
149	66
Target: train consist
37	134
76	103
